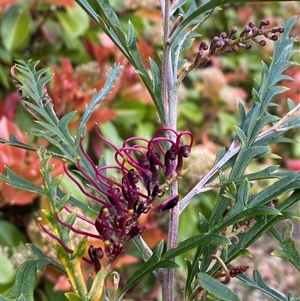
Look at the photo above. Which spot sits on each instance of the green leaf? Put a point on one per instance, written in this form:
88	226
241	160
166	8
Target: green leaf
24	282
239	214
244	157
149	266
98	97
157	85
195	13
18	182
287	243
259	284
196	241
16	28
64	123
10	235
76	203
243	193
159	249
103	14
107	13
262	225
60	205
88	8
34	84
13	141
73	297
73	266
44	261
216	288
79	250
287	183
7	273
96	290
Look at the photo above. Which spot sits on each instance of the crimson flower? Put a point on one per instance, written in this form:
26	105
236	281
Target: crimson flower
139	161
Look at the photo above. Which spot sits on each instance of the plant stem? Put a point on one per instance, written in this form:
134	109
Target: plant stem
169	97
168	283
165	7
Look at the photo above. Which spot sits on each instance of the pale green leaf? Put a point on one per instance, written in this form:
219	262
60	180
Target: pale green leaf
216	288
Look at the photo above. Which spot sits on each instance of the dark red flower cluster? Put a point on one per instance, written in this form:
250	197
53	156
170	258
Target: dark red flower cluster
139	162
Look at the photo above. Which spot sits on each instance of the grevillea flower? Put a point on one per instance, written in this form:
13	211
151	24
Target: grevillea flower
139	162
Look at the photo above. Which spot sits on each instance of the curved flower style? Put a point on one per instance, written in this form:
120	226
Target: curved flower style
139	162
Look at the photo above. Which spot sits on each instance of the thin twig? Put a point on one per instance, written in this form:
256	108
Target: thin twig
232	151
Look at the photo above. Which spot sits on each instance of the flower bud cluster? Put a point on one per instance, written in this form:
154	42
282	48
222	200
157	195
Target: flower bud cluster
226	43
139	161
234	271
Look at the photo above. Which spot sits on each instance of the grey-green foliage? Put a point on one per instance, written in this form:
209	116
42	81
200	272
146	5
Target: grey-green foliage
236	188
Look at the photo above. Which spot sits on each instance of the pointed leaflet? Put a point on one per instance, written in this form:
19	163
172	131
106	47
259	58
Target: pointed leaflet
13	140
73	297
98	97
110	24
263	223
43	259
65	230
51	185
34	79
72	265
196	241
243	193
64	123
136	61
96	289
289	182
234	216
75	264
63	201
287	244
155	262
189	17
263	95
268	172
259	284
156	79
216	288
18	182
284	41
76	203
24	282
